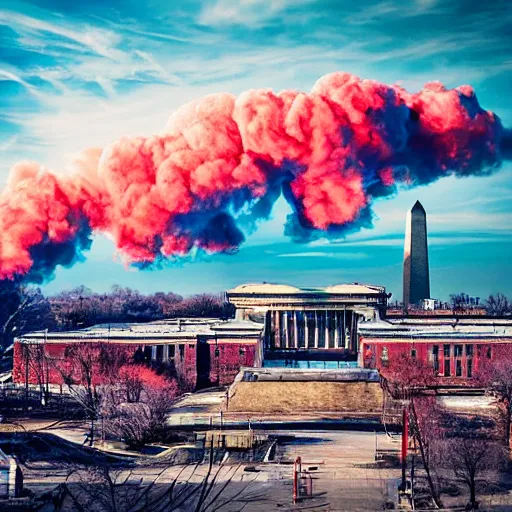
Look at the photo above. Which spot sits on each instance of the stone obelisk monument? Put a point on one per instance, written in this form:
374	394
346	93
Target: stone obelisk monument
416	274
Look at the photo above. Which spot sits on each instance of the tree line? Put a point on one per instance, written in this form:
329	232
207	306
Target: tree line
25	308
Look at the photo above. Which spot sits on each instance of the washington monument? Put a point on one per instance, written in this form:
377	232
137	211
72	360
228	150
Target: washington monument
416	275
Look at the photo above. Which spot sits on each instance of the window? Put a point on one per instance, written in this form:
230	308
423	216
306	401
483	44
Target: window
172	350
458	368
470	368
384	356
447	367
457	350
489	352
413	353
182	350
446	349
469	350
159	352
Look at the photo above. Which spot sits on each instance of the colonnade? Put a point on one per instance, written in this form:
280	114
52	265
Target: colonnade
310	329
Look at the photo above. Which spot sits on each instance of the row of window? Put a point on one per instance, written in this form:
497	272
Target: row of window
447	369
181	348
458	352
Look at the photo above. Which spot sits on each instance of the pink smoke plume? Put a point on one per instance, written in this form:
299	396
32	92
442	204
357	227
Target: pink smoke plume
222	161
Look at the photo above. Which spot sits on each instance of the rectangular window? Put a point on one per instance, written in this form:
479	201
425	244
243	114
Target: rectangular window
182	350
458	368
469	350
435	351
159	352
457	350
447	367
489	352
172	350
446	350
413	353
470	368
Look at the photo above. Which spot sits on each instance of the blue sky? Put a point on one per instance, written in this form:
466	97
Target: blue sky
81	74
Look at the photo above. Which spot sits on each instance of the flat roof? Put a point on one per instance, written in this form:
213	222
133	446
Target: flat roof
180	328
284	289
446	327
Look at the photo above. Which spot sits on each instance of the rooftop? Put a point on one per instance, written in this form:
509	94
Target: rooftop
442	327
284	289
163	329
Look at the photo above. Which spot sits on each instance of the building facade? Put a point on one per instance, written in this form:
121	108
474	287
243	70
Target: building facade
308	323
200	352
456	347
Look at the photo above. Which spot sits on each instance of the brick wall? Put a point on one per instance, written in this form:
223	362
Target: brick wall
458	361
276	397
185	364
226	359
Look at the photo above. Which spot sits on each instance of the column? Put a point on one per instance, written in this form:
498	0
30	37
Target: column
166	353
344	328
278	329
327	337
295	330
267	329
316	329
336	329
306	330
353	331
153	352
286	329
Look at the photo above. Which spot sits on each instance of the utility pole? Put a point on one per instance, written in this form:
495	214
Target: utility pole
405	444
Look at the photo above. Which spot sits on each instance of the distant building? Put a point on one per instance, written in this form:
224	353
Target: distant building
454	346
202	352
430	304
416	280
308	324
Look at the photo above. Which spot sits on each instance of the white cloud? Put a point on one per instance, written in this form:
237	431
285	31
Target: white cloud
100	41
252	13
319	254
8	75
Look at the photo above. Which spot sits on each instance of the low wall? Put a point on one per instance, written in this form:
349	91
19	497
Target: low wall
290	393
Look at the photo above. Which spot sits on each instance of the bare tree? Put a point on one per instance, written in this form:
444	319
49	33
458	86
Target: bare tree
80	373
496	376
409	379
498	305
24	308
142	422
38	367
191	487
471	459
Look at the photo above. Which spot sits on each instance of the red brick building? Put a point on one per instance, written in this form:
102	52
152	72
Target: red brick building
454	346
201	352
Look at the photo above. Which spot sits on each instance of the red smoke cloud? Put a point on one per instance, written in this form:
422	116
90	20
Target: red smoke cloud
223	160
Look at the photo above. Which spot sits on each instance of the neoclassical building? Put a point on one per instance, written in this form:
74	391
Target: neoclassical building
308	323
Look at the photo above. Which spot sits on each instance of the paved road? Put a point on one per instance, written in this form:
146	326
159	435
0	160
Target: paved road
337	463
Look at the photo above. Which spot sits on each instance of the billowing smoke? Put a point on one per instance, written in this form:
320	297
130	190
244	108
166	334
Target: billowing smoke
222	161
